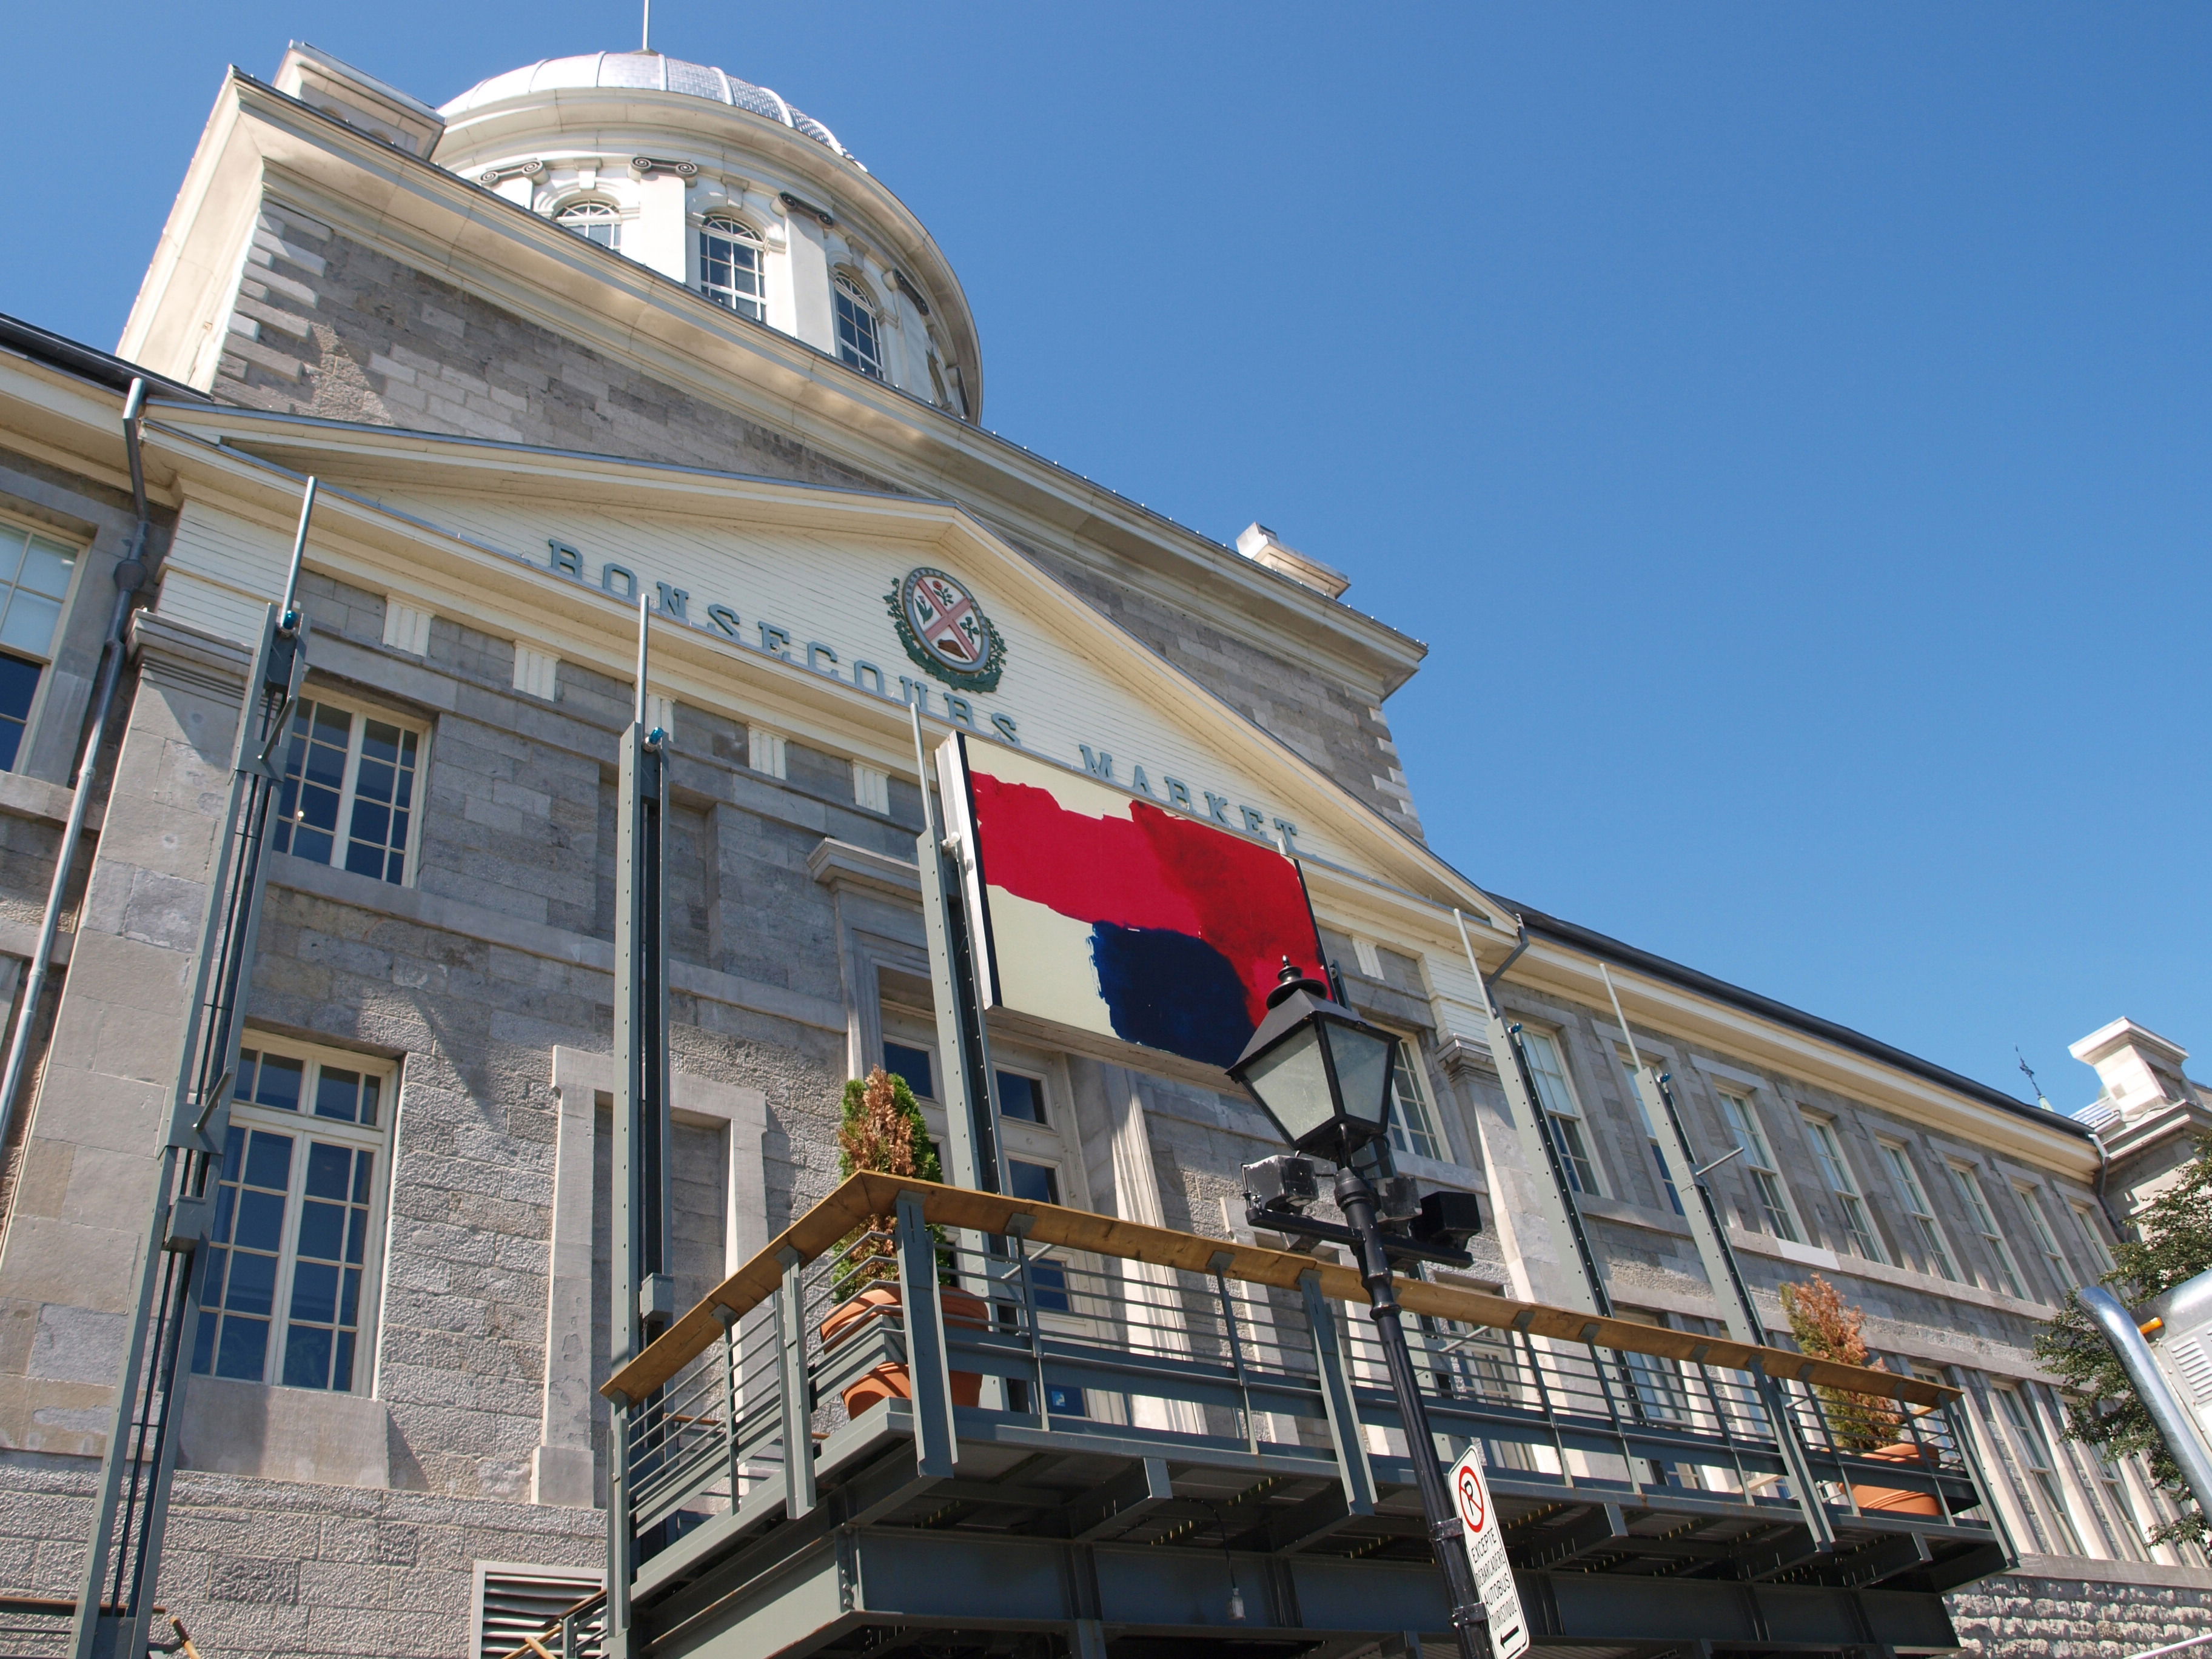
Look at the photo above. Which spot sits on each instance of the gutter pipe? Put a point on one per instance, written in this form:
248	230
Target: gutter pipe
2157	1395
130	578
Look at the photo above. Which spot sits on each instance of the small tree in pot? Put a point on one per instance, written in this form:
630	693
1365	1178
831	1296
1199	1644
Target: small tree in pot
1828	1328
882	1133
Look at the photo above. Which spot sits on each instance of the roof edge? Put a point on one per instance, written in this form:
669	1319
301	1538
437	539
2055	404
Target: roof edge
1573	934
86	362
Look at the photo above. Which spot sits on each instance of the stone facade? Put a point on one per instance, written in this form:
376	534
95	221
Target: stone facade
2043	1612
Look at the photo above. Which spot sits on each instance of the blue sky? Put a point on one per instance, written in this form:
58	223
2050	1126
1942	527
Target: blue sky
1786	425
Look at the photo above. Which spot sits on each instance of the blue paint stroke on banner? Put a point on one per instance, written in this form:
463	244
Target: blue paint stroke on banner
1168	990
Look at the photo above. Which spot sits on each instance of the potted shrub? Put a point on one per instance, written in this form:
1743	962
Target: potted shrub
882	1133
1865	1425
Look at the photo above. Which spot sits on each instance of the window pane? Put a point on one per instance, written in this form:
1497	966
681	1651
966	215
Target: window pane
913	1065
19	684
307	1358
1019	1097
28	623
280	1082
322	1232
46	569
1033	1183
337	1094
329	1169
1048	1279
242	1349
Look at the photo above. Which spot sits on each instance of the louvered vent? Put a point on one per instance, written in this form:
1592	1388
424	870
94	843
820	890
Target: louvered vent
519	1601
2191	1357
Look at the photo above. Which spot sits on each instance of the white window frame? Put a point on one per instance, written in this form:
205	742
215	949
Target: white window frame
613	215
2018	1413
34	715
2054	1253
1966	1181
721	223
1740	1112
342	835
304	1126
1834	1163
844	287
2085	1223
1406	1078
1934	1248
1572	1139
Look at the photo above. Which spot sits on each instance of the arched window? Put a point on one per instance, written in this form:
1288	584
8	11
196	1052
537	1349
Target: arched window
596	221
730	266
856	329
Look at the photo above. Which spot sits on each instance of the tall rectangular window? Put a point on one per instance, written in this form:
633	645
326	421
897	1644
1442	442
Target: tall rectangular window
2062	1270
2085	1223
1764	1175
1548	1068
34	579
1971	1195
287	1276
2021	1418
1412	1126
1843	1186
350	781
1651	1132
1935	1256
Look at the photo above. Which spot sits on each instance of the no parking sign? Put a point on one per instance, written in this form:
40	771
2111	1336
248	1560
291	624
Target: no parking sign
1486	1556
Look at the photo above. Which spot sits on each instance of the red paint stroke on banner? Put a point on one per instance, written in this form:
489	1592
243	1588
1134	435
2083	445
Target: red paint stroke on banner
1153	869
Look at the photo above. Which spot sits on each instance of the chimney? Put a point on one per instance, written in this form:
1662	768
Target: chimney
1262	546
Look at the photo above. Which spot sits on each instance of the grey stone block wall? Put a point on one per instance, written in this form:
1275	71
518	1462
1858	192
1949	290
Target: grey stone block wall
325	326
276	1570
2041	1614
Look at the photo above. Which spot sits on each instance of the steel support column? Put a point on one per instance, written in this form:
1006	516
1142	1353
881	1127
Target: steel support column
644	1293
123	1553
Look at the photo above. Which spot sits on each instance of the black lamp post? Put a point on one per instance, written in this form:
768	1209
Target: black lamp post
1322	1076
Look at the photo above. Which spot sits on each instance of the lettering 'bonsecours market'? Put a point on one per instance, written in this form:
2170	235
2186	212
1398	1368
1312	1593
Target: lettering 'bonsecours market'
918	636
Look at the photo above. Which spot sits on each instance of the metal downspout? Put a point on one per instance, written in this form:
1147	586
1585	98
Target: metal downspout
2182	1438
2122	1228
130	577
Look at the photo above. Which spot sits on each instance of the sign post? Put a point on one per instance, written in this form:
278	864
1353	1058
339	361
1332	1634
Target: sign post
1486	1557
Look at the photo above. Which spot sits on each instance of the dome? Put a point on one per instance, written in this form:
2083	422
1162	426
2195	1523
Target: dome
644	71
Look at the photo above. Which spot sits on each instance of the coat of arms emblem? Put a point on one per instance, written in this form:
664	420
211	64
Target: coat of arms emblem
946	631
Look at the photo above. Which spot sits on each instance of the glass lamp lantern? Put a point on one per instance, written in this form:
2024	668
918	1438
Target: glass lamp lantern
1319	1072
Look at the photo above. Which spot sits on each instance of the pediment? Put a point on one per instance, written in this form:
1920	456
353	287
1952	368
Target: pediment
788	604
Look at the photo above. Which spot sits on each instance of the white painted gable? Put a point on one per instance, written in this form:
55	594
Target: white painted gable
818	595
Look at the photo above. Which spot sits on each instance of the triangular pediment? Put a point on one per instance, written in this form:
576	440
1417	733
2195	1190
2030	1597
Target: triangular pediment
808	608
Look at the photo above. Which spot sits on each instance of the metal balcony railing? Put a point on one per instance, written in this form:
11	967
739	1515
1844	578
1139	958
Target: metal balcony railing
1233	1401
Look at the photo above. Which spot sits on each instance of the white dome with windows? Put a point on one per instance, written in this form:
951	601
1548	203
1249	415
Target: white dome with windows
720	184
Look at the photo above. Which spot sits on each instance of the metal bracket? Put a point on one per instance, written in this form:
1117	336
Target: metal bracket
1344	1430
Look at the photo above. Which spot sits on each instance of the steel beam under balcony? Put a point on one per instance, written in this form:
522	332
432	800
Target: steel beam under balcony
859	1589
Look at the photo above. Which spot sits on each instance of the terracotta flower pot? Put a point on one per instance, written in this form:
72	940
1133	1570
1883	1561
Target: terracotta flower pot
1895	1500
889	1381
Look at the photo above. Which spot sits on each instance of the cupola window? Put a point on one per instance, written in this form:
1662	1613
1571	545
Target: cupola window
857	346
730	266
595	221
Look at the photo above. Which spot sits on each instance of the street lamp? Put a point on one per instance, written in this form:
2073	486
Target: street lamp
1322	1076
